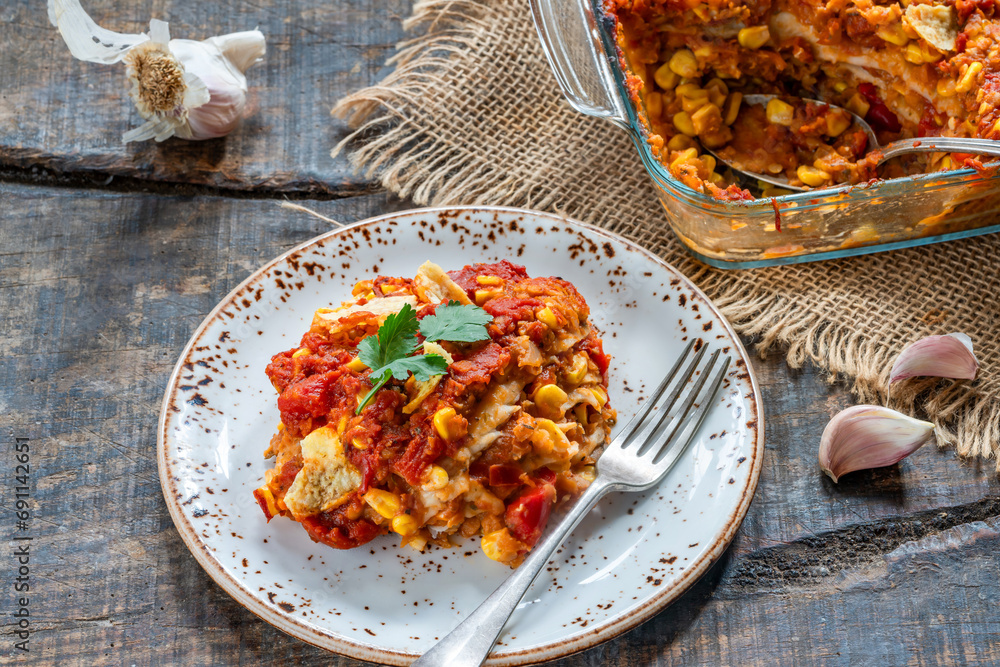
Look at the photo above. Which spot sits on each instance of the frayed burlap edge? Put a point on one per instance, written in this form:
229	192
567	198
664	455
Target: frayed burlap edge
964	417
414	162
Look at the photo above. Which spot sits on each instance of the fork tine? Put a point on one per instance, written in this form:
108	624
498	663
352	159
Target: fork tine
651	425
636	421
684	433
654	438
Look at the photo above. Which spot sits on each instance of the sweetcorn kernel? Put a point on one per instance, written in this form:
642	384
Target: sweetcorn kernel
931	54
600	395
858	104
500	545
685	155
692	104
442	422
404	524
680	142
893	34
837	123
484	295
706	119
691	91
717	85
548	431
682	121
548	318
704	50
780	113
717	96
733	103
683	63
812	176
665	77
386	503
578	370
437	479
968	79
753	37
550	397
356	365
654	105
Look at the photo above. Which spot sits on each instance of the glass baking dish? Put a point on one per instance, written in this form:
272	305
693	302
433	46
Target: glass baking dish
841	221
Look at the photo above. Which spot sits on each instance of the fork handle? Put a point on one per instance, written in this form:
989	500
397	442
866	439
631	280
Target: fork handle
470	642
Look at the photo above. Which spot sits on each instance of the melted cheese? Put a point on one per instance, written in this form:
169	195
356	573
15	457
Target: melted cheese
380	308
498	405
785	25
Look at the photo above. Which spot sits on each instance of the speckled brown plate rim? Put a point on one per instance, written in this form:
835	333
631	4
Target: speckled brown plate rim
601	633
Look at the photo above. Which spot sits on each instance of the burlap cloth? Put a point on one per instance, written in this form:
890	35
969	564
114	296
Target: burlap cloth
472	115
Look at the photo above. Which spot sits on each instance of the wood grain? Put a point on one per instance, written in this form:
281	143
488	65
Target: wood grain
100	291
65	116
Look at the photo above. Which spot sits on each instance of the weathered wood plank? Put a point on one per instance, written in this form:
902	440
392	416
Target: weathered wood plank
68	116
101	291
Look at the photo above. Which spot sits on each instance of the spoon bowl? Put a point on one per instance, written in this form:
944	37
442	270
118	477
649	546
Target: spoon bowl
880	153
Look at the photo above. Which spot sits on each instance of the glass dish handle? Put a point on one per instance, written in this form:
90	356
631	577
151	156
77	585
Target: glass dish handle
572	44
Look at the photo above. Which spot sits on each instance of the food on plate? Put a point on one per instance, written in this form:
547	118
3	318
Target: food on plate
913	68
450	405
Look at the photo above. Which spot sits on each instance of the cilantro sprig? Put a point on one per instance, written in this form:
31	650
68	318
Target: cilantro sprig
457	323
389	353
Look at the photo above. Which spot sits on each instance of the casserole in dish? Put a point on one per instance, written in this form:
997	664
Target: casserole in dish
735	224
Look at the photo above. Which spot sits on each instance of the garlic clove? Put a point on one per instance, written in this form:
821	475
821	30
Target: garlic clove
948	356
869	436
184	88
241	49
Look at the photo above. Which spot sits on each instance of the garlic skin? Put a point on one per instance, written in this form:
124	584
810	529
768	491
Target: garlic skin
184	88
869	436
948	356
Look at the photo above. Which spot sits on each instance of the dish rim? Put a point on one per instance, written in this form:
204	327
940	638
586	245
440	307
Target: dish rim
546	652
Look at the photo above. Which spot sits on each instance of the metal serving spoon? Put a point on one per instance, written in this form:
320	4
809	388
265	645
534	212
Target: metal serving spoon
889	151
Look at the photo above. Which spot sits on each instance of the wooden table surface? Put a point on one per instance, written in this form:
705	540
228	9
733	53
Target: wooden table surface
111	255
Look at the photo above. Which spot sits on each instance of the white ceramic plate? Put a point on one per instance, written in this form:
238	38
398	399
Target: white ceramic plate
630	558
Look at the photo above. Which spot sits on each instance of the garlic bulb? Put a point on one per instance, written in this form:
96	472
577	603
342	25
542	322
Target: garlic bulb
184	88
948	356
869	436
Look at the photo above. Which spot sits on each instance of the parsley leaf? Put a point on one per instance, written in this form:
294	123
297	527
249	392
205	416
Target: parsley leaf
455	322
395	339
388	352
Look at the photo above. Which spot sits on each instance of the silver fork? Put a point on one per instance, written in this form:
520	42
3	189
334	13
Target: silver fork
636	460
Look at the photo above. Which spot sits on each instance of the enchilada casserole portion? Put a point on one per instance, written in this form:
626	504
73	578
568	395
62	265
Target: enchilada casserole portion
492	411
912	68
